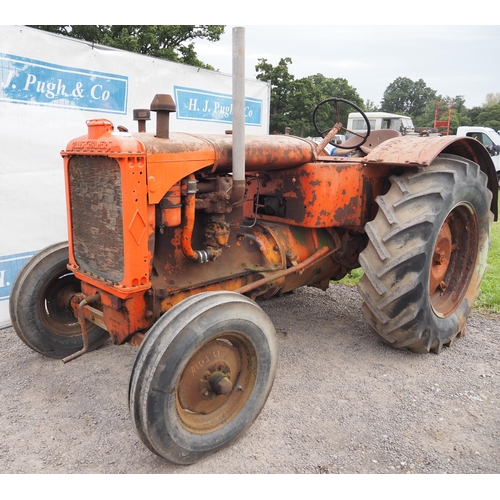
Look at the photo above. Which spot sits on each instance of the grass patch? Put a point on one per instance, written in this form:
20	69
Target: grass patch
489	299
490	287
352	279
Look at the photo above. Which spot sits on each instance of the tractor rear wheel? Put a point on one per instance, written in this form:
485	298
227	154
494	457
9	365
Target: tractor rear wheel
202	375
426	255
40	308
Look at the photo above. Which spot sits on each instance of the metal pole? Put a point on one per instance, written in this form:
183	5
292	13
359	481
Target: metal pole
238	104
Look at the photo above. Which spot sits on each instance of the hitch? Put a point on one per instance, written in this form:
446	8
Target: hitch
81	320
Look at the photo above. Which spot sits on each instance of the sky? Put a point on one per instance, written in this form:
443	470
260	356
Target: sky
453	47
451	59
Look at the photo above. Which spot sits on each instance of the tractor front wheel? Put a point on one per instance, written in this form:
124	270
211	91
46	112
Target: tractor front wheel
40	308
202	375
426	255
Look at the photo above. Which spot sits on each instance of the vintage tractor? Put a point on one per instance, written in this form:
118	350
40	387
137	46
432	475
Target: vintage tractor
169	248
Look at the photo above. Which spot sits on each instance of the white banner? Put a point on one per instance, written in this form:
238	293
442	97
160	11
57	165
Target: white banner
49	87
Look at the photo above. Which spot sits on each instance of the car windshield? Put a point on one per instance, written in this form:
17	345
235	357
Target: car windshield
495	136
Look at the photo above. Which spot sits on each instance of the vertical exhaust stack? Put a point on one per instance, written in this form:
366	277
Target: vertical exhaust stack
238	191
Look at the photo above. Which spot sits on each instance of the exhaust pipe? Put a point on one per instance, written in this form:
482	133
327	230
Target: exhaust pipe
238	191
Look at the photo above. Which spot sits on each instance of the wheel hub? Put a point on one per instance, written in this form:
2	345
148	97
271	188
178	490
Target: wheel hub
453	258
215	383
55	306
441	258
220	383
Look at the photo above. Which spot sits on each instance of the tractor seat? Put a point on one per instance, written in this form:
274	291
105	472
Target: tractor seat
375	138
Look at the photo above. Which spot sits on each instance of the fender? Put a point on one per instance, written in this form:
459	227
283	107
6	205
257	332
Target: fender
415	151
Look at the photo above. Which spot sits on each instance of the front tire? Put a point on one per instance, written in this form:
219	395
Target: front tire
427	253
202	375
40	306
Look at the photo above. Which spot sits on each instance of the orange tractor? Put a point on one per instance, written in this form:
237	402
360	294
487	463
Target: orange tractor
169	248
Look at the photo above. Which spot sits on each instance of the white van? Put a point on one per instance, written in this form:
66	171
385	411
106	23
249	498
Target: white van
488	138
379	121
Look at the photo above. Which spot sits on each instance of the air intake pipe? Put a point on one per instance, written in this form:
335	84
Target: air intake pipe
163	104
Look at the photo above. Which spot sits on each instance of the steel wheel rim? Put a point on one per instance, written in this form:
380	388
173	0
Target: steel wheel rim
200	405
54	305
453	260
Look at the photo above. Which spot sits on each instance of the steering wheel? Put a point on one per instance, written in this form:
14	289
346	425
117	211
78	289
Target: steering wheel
342	114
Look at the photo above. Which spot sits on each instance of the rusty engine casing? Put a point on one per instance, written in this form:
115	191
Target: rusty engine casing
152	220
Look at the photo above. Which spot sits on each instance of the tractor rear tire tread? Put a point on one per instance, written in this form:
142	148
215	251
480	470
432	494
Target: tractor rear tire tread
396	261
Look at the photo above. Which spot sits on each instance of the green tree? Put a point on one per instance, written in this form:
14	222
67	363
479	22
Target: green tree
171	42
293	101
336	87
459	113
473	114
490	117
407	97
281	87
492	99
370	106
326	88
304	97
459	104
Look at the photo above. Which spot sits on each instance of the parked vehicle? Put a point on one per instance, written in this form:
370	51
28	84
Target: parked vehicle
379	121
489	138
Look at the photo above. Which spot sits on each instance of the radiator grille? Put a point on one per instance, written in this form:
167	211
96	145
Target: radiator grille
96	213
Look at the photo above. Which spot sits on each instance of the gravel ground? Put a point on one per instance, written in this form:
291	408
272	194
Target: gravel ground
342	403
